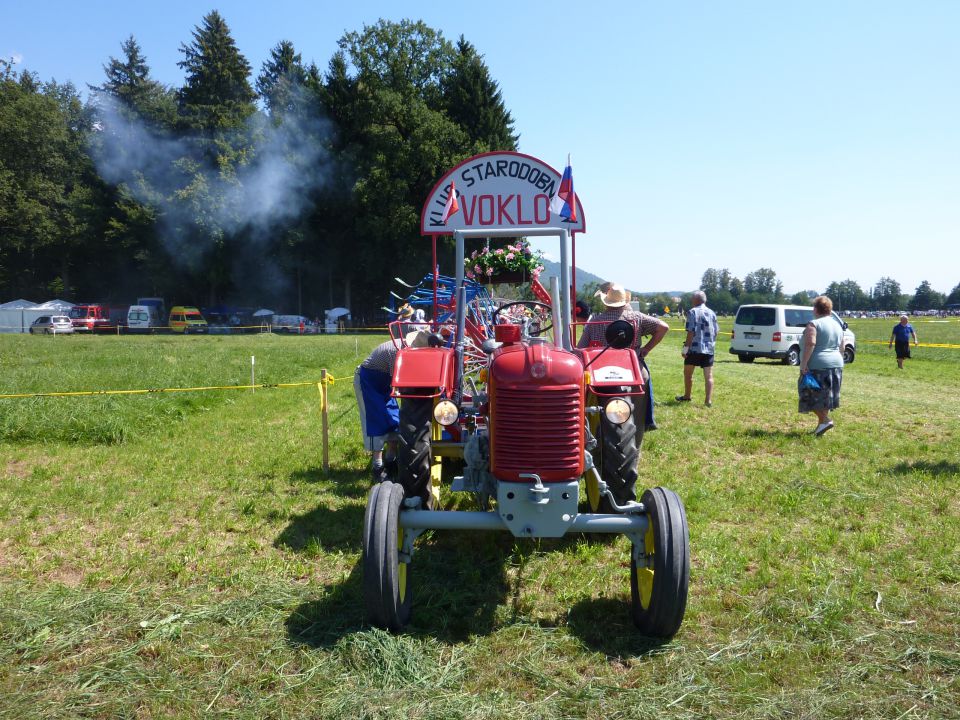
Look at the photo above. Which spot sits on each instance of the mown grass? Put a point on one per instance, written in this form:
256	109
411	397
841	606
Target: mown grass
186	556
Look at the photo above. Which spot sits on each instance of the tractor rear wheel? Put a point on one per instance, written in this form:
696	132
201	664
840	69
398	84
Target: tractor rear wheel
619	452
658	587
413	447
385	592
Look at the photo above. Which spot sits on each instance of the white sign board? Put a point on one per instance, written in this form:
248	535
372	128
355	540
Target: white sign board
499	190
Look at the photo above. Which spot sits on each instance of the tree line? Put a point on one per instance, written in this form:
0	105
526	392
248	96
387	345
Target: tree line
726	292
300	187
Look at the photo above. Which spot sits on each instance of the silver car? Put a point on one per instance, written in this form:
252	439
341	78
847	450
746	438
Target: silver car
51	325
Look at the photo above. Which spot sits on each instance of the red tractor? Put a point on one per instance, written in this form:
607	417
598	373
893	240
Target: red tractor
544	418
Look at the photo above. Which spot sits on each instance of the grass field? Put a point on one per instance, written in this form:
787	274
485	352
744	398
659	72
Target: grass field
184	555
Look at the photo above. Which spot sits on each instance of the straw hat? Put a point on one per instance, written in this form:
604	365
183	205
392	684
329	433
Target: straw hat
417	339
613	295
405	312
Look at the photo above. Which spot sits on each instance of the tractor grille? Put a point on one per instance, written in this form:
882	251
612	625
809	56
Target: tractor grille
537	431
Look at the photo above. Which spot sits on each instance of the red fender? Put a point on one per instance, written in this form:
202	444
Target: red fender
424	368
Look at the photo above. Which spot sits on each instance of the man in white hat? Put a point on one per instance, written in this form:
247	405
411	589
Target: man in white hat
616	302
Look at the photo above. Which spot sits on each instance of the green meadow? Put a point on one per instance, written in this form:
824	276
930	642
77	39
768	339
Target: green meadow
185	555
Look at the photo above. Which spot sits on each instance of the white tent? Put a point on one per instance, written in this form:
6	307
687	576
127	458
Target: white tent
16	316
263	312
55	305
334	317
20	304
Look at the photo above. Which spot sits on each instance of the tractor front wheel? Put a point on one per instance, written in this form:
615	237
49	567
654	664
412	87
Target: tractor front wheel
413	446
619	452
385	592
658	586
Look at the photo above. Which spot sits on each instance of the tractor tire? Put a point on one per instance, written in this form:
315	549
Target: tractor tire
413	447
371	588
792	357
659	589
619	452
745	358
385	592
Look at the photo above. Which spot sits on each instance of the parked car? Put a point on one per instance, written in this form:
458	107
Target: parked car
293	324
187	320
775	331
51	325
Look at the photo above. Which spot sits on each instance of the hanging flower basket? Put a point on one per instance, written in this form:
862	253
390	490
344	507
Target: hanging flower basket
516	262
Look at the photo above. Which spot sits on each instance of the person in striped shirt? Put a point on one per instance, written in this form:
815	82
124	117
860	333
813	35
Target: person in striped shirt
379	412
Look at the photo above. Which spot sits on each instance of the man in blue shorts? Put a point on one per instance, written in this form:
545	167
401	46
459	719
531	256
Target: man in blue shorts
699	346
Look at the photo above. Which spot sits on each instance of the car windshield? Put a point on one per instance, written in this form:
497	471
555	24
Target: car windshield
78	312
138	316
756	316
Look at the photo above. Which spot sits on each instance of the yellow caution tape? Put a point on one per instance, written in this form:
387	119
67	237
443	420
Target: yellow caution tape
930	345
82	393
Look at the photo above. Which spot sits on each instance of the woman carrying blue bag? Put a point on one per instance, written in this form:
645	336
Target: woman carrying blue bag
821	365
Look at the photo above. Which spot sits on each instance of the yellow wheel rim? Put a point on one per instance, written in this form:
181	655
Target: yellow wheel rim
645	574
593	491
401	569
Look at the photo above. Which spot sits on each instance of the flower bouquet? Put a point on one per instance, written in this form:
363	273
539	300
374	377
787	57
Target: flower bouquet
515	263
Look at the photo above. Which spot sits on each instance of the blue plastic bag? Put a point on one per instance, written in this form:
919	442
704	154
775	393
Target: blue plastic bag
809	382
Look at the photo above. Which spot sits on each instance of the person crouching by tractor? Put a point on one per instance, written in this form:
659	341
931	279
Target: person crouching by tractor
616	303
379	412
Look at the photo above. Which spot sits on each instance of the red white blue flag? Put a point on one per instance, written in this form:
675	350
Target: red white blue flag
564	203
452	205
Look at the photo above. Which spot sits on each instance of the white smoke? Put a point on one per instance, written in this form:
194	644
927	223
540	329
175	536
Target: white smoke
197	202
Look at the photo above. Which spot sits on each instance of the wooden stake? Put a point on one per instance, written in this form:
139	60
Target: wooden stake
324	420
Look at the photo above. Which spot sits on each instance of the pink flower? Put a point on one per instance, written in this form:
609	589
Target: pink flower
510	256
477	269
473	254
499	251
489	271
470	274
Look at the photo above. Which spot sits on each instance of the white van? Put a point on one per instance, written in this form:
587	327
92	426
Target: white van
775	331
143	319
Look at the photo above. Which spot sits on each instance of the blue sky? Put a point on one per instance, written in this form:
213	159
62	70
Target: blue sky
821	139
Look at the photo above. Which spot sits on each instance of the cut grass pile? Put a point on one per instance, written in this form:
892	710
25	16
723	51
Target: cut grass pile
185	556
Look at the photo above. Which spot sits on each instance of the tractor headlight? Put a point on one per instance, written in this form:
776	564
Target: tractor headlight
617	411
446	412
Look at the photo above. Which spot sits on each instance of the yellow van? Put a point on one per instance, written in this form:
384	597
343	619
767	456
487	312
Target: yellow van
187	320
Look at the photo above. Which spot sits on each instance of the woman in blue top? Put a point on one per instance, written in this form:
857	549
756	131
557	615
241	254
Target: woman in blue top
823	359
901	335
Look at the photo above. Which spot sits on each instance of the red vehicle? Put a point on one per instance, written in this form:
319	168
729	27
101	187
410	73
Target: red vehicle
90	318
542	418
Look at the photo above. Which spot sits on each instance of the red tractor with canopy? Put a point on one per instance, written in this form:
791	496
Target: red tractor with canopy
539	424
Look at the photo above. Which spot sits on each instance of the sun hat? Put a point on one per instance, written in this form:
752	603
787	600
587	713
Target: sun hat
613	295
417	339
405	311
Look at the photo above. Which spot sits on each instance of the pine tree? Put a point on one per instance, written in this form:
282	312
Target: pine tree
137	95
474	101
217	93
282	79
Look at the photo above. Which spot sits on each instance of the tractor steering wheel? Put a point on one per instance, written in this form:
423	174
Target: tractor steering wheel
537	311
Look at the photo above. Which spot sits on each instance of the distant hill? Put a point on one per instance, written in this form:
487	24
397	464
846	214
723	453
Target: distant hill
552	269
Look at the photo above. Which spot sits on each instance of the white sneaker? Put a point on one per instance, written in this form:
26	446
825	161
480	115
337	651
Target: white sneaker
823	427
